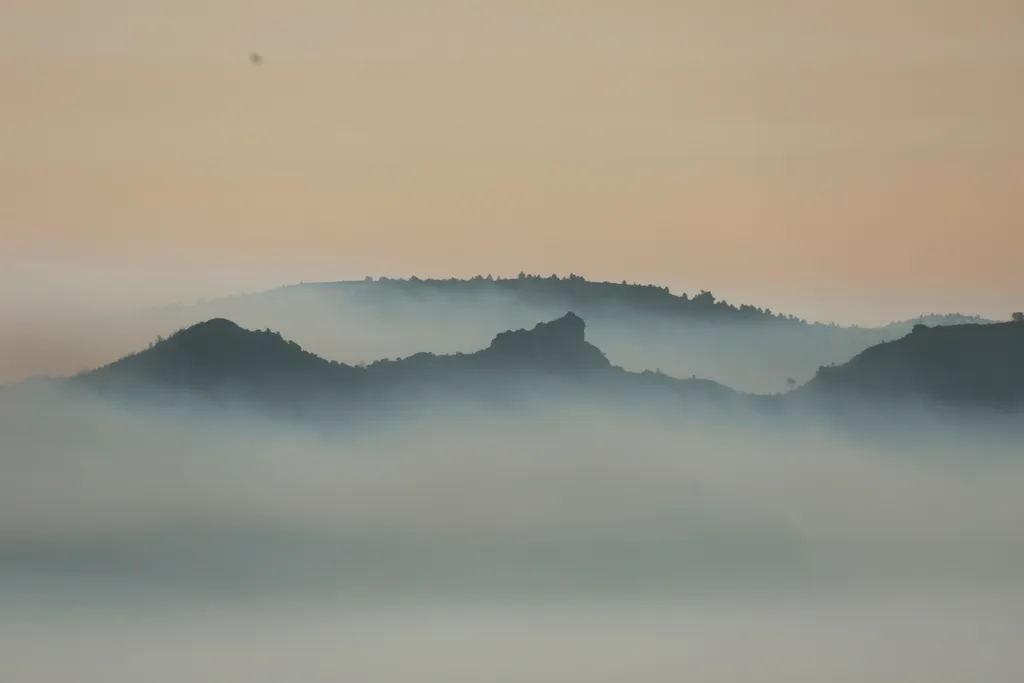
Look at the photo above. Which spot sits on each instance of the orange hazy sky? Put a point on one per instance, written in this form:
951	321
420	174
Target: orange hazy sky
791	152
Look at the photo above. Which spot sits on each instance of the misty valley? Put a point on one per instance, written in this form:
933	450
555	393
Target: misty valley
517	341
512	480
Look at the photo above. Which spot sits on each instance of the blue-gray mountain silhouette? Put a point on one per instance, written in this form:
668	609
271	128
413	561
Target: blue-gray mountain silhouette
219	359
960	364
979	365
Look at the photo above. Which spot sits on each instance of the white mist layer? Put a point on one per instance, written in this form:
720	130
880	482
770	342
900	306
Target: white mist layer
77	474
946	639
564	544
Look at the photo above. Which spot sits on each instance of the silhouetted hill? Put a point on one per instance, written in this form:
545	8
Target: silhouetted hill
554	351
961	364
639	326
573	292
979	365
558	346
593	299
218	359
900	328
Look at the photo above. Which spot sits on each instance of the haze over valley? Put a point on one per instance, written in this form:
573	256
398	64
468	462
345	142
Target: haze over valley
223	486
522	341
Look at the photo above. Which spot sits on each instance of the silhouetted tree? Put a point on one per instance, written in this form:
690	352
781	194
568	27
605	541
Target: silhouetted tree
705	298
790	382
1018	317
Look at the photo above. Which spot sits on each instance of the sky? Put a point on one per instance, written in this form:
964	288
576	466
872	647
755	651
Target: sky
808	156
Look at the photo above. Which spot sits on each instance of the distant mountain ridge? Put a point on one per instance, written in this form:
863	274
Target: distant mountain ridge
957	364
640	326
903	327
968	364
573	292
590	297
219	359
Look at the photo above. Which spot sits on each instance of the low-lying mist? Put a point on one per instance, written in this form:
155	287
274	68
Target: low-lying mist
566	543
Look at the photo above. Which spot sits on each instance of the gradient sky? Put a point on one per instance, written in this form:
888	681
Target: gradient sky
802	154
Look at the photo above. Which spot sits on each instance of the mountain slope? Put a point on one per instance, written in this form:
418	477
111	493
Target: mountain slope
219	359
960	364
574	292
640	326
977	365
